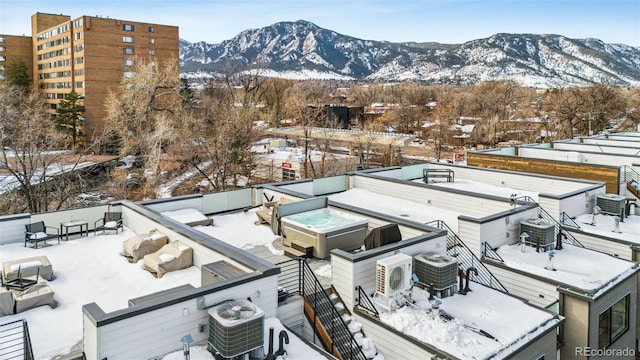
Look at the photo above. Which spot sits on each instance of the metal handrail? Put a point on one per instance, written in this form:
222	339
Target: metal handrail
568	220
490	253
312	288
467	259
15	342
365	303
559	232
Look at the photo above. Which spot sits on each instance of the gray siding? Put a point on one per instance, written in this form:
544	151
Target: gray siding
544	346
618	149
291	314
226	200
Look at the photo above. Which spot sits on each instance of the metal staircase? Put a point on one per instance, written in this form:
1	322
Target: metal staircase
466	259
15	342
632	178
325	310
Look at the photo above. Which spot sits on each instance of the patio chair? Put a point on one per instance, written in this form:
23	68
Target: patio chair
39	232
110	221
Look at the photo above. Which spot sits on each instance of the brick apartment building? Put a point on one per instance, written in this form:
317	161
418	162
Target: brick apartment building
88	55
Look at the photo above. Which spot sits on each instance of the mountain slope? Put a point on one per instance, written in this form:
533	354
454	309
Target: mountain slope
303	50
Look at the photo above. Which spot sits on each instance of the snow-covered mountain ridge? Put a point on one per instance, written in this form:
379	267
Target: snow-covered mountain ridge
302	50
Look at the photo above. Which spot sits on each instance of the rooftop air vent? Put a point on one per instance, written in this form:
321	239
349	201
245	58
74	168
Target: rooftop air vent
438	269
541	232
235	328
611	203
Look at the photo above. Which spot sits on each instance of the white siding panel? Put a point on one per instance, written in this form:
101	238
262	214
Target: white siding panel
436	197
390	345
613	141
88	214
515	180
535	291
291	314
585	157
90	338
12	229
129	338
342	278
609	247
619	149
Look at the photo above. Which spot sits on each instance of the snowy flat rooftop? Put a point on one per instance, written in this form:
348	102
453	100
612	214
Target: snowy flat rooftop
482	188
604	225
91	269
396	207
88	270
580	268
483	324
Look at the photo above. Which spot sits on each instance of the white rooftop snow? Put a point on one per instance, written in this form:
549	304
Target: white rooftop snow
605	224
577	267
396	207
508	320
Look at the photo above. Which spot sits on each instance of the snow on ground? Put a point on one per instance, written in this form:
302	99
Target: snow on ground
239	230
391	206
579	267
485	322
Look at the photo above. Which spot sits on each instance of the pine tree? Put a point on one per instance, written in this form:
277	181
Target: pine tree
17	74
70	114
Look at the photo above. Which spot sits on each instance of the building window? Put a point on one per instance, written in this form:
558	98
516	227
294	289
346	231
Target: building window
79	72
2	77
79	84
2	67
152	41
129	62
127	39
77	23
79	60
79	48
2	58
2	39
2	48
128	51
152	29
152	52
127	27
288	174
613	322
78	35
128	74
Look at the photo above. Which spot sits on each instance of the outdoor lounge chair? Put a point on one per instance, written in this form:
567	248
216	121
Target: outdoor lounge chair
265	214
36	295
137	247
173	256
110	221
7	302
39	232
27	267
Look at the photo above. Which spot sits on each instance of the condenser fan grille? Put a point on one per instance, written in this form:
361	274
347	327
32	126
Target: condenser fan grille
396	279
237	311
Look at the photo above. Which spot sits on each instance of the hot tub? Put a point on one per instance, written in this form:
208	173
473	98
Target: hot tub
324	229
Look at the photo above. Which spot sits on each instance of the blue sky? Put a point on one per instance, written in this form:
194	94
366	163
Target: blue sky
444	21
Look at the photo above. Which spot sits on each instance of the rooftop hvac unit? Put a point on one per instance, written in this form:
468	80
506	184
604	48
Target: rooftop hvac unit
235	328
611	203
393	274
541	232
438	269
